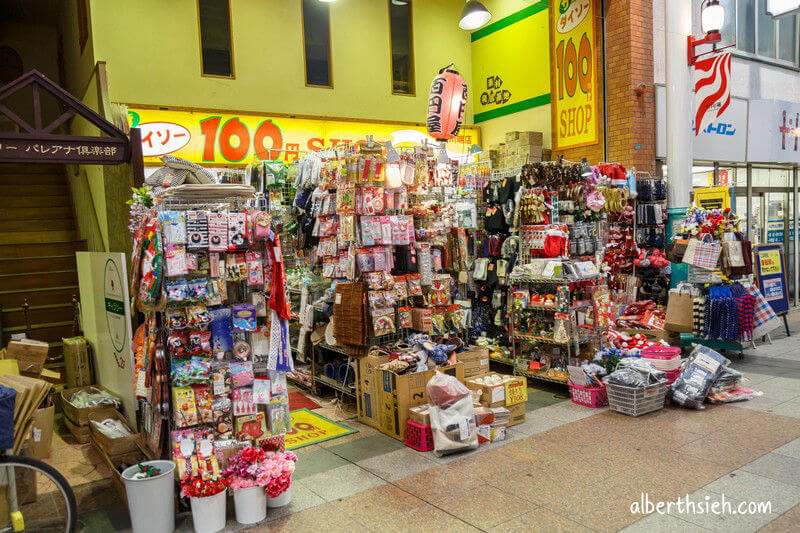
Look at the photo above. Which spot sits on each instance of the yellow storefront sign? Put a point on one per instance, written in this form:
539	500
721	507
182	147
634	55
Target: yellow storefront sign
226	139
573	55
712	197
509	64
311	428
770	261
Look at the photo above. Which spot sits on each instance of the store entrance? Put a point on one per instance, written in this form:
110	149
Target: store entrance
772	212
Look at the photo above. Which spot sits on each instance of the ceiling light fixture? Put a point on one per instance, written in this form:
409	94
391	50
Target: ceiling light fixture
473	16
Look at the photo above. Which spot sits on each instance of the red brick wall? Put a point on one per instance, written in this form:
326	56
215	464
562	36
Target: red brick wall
629	64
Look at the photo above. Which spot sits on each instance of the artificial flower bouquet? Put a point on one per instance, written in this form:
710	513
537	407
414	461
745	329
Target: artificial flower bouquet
279	466
248	468
715	222
198	487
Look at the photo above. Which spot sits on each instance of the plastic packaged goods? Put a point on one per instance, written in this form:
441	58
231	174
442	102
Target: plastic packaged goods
692	386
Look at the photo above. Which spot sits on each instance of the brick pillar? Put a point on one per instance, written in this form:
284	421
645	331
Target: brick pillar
629	86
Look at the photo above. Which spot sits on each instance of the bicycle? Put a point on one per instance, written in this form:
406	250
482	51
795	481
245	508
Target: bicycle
56	512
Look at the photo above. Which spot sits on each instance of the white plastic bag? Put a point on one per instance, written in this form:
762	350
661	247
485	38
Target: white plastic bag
444	390
454	428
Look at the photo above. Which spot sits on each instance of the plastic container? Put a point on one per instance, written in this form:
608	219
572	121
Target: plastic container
418	437
636	401
151	501
664	358
250	505
672	375
283	499
593	397
208	513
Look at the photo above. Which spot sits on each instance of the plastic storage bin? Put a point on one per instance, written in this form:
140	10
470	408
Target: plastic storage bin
418	437
587	396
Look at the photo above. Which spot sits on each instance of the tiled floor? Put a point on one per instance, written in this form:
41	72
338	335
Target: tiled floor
567	468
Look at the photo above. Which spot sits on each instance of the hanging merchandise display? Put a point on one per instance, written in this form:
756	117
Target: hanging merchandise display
726	306
211	372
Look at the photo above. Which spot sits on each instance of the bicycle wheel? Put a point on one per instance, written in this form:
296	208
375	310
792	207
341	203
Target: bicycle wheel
43	498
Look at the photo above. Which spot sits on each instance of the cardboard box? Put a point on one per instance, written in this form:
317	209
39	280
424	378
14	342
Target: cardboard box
421	319
517	414
400	392
41	433
80	415
488	434
513	390
142	453
80	433
76	362
421	414
118	446
368	381
30	355
476	361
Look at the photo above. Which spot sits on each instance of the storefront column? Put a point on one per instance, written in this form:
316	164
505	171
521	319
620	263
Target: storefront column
678	17
749	201
794	233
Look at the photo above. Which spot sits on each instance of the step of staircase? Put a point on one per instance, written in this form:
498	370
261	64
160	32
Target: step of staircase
40	224
36	280
37	264
37	201
50	333
31	179
28	213
39	296
22	251
45	314
9	191
27	237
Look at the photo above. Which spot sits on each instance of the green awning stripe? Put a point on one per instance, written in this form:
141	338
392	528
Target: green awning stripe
509	20
536	101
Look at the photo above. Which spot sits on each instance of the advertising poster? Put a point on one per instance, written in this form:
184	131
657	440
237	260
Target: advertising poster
573	87
772	276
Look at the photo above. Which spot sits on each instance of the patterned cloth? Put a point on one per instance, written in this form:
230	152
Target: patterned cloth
764	318
702	254
745	308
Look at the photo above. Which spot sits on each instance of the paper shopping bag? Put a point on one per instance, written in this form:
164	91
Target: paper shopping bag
679	317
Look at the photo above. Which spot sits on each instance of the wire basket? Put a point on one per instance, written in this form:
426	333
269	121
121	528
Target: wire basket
635	401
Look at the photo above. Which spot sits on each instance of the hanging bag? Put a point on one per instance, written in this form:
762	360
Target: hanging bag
703	253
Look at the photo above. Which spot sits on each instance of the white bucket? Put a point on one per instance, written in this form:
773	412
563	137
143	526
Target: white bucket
250	505
208	513
151	501
283	499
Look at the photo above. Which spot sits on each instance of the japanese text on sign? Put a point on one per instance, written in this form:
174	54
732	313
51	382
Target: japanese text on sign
574	97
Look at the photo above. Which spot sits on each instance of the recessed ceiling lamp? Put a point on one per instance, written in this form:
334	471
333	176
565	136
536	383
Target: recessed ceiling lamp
399	2
473	16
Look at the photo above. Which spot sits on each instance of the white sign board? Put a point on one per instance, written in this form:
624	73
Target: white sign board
782	8
775	137
106	321
723	139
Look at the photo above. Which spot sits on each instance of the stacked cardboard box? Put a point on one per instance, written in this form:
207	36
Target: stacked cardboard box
476	361
399	392
368	386
497	390
77	418
519	148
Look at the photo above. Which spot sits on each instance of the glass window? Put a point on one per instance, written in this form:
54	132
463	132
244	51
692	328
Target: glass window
83	22
745	29
317	40
766	32
787	39
754	32
402	47
215	37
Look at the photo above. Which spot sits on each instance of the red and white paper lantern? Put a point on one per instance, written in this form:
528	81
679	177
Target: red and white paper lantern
446	104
